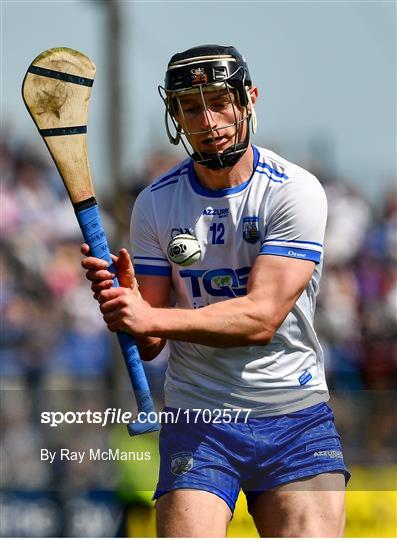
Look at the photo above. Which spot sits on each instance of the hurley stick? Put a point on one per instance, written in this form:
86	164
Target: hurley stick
56	91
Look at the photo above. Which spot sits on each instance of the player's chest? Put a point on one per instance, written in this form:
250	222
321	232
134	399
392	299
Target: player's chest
221	226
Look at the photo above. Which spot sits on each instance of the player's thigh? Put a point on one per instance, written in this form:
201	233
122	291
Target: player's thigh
313	507
191	513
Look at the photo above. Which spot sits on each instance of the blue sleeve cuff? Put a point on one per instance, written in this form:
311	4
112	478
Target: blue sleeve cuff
295	253
151	270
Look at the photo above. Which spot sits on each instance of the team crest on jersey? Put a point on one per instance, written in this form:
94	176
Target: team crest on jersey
250	229
181	463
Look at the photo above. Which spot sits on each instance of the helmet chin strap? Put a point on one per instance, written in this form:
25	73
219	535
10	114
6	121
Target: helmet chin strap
220	161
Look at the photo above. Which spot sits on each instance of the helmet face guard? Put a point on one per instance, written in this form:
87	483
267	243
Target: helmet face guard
201	70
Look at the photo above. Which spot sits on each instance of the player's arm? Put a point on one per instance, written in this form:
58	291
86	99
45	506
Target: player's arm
293	245
156	291
275	283
151	290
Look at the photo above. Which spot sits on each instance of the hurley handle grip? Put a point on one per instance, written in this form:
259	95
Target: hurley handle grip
89	219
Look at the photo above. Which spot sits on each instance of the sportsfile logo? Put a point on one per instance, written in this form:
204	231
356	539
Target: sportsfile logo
109	416
218	212
117	416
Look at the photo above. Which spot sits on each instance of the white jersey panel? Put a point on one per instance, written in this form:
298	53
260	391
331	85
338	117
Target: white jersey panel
281	210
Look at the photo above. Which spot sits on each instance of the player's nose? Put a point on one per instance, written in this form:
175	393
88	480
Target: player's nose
208	119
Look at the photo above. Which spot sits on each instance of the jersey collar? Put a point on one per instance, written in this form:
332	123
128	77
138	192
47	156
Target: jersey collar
201	190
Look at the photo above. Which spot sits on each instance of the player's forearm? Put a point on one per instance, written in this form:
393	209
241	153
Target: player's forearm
149	347
233	323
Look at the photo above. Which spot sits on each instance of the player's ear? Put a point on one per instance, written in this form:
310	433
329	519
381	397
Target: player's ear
252	95
253	92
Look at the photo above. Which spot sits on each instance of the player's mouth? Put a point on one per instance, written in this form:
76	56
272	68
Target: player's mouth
214	142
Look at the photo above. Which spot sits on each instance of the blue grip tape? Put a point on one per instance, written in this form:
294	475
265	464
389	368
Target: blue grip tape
94	235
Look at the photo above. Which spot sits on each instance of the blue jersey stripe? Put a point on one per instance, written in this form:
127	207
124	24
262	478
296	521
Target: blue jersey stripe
270	177
150	270
178	172
273	171
157	187
151	258
295	253
292	241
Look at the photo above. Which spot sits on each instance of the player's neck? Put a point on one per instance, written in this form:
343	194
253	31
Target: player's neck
228	177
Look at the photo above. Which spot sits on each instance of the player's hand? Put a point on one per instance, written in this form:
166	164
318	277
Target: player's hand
123	311
100	276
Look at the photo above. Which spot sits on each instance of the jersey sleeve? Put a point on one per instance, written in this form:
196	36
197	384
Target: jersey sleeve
148	257
296	219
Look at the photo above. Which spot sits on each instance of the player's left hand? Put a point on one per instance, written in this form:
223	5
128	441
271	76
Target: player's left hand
123	311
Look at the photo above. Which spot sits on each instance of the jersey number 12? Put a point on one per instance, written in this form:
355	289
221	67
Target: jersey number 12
218	231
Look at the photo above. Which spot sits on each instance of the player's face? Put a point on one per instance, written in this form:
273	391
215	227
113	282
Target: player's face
213	124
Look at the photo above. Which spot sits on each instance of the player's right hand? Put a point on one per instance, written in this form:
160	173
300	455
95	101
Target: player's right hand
101	278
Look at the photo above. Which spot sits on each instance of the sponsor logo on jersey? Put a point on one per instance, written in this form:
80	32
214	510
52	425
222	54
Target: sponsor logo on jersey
181	230
292	253
305	377
227	282
336	454
219	212
250	229
181	463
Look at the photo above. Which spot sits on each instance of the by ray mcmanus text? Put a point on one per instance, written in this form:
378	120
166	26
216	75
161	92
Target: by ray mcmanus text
93	454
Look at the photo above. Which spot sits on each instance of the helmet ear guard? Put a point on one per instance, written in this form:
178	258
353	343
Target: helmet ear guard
202	69
169	113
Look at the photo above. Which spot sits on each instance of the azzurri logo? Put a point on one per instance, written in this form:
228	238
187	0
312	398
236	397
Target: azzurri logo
218	212
335	454
305	377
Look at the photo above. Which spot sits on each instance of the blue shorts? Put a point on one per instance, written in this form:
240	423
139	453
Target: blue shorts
254	456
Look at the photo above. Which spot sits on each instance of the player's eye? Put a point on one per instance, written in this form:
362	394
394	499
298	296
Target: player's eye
192	109
219	105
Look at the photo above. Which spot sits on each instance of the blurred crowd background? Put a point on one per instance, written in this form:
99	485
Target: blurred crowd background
320	109
56	351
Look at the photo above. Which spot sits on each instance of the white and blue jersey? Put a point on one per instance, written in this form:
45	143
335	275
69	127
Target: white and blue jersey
281	210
